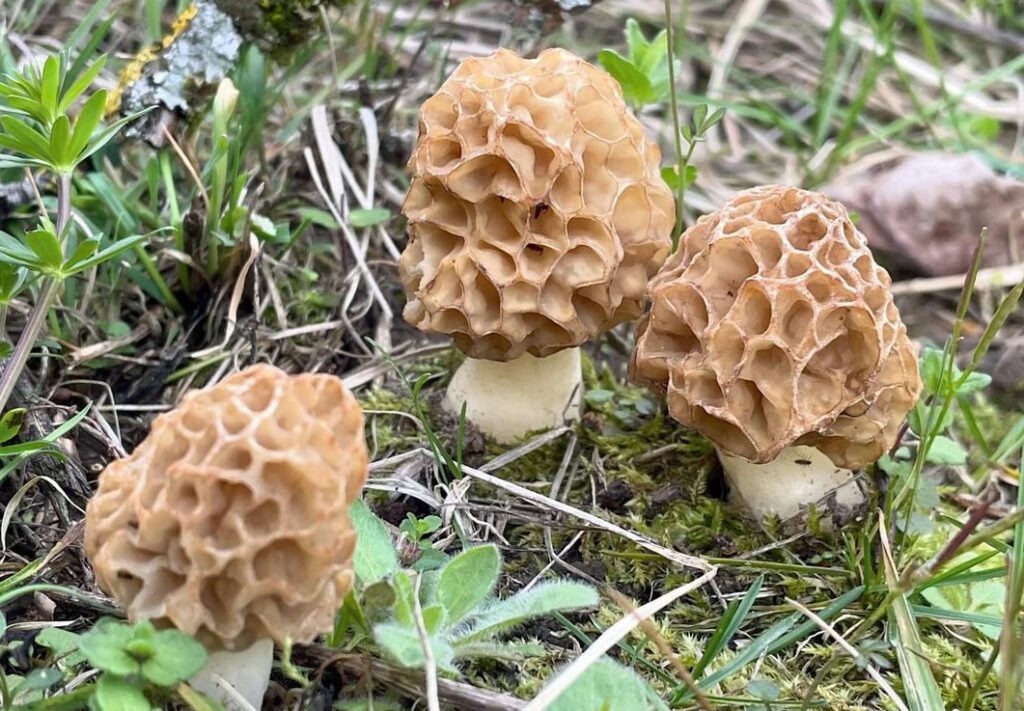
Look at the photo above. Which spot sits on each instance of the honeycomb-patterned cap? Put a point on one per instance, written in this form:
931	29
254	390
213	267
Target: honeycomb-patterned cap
230	521
773	326
537	213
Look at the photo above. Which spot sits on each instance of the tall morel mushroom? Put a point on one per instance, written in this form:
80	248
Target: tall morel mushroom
773	333
537	215
230	520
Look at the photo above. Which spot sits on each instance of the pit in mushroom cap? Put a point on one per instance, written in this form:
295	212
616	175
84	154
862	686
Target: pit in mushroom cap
230	521
537	211
773	326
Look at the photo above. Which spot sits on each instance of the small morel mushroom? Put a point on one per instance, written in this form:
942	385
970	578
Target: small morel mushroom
230	520
774	334
537	215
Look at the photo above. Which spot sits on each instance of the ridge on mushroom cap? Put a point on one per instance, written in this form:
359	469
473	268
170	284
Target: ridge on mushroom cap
230	520
537	212
773	325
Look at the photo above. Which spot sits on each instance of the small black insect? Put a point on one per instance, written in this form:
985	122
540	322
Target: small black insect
804	462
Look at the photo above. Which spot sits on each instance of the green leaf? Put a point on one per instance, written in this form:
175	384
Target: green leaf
943	450
83	251
405	600
764	689
608	686
973	383
636	87
349	616
17	253
543	599
62	644
369	217
107	134
466	581
81	83
46	247
42	678
670	175
114	693
176	657
105	255
60	143
433	618
86	123
49	88
404	646
728	626
375	557
22	138
10	423
104	647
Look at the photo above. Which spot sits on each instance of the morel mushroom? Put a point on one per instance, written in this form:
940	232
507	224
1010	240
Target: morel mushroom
230	520
774	334
537	215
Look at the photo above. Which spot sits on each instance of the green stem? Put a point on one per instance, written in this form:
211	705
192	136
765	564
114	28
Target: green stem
676	127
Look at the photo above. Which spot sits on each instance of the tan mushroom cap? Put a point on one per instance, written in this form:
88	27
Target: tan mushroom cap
230	520
537	213
773	326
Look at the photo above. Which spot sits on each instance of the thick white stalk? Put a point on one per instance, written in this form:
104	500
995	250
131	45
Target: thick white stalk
246	672
507	400
798	477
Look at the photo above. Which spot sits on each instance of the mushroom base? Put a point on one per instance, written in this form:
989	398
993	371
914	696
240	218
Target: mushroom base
506	400
246	671
798	477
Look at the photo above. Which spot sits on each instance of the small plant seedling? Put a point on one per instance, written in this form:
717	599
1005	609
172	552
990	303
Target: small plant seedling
417	532
455	602
644	74
135	659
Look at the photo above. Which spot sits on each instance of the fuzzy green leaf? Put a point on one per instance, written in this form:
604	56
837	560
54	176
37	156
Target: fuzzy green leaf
542	599
375	557
943	450
466	581
404	646
608	686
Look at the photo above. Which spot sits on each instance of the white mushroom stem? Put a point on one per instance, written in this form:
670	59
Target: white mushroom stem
246	672
507	400
798	477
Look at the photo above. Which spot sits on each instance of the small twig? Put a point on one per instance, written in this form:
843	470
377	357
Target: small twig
612	636
683	559
430	664
664	648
